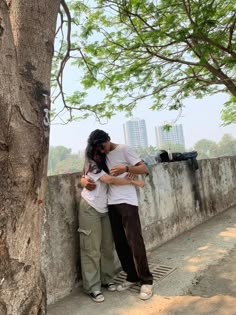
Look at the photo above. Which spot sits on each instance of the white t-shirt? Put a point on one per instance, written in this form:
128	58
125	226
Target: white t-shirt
122	155
98	197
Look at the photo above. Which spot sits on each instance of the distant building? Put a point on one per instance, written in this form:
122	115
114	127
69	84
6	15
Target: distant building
135	133
174	136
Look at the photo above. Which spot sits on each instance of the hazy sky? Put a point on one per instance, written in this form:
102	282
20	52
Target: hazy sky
200	119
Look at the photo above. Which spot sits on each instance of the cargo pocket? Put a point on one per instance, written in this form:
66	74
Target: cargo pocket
85	239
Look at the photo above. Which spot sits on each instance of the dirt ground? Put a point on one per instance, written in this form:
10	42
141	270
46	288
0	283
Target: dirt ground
218	280
214	292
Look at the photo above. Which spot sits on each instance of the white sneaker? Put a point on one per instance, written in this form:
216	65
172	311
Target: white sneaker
110	286
97	296
125	285
146	291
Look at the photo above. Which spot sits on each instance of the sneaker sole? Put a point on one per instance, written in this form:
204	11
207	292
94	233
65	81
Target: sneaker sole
110	288
145	298
148	297
98	301
127	288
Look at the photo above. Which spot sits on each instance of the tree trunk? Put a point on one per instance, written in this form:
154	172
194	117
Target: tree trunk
27	31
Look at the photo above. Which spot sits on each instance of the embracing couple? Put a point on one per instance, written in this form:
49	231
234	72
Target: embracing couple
109	211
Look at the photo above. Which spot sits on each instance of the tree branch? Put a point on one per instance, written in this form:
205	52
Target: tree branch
69	49
231	32
213	43
187	7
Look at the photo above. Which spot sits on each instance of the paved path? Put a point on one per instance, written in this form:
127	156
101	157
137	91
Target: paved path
204	282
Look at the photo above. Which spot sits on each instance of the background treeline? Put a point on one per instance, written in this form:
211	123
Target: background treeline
62	160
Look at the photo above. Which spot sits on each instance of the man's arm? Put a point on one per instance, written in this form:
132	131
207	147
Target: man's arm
88	183
137	169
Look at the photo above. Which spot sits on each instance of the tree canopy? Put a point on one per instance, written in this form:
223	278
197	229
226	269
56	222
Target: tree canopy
163	50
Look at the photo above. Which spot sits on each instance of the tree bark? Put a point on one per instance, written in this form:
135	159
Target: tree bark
27	31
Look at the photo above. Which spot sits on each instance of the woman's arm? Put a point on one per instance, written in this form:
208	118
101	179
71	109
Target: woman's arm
111	180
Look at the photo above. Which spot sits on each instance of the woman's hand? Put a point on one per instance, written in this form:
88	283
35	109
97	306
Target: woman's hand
88	183
138	183
130	176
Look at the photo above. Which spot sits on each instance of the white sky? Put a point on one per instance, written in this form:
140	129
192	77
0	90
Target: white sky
200	119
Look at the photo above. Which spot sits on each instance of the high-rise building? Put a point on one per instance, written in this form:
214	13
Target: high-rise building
135	133
174	136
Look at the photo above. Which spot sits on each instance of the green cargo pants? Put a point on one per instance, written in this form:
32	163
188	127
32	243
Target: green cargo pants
97	247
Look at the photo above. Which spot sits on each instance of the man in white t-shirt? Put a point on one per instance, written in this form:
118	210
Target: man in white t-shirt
123	213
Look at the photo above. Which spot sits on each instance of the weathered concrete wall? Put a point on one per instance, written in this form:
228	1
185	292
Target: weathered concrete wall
60	241
174	199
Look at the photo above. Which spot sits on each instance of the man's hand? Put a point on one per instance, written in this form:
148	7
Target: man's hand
137	169
117	170
88	183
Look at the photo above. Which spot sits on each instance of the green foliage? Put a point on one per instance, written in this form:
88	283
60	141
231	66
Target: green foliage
57	154
206	148
167	127
70	165
229	112
227	145
166	50
173	147
62	161
147	151
210	149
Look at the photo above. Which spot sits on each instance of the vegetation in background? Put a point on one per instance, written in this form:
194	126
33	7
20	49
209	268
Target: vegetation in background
210	149
62	160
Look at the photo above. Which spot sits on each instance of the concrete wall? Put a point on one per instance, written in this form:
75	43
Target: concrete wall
175	199
60	240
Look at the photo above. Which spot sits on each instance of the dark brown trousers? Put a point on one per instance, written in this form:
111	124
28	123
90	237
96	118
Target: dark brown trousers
127	233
